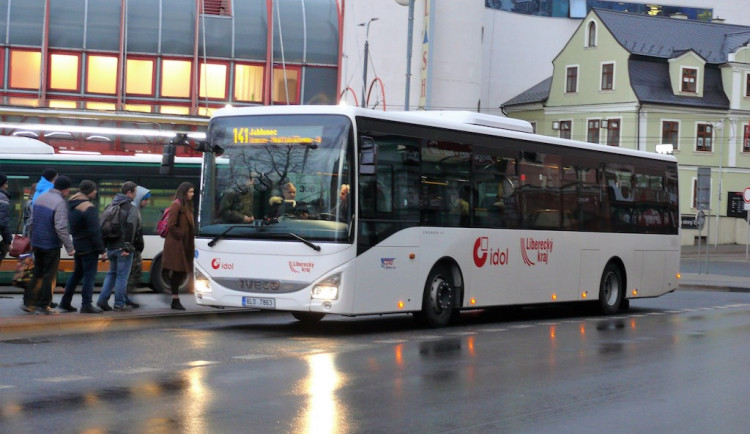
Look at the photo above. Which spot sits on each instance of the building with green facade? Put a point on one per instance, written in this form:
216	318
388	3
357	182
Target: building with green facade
638	81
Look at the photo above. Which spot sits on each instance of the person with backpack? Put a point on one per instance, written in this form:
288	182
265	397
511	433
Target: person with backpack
87	240
179	245
118	223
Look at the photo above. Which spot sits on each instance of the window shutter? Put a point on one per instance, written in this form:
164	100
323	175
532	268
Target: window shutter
217	7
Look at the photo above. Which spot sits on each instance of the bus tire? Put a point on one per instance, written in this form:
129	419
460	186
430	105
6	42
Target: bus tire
308	317
160	278
439	298
611	289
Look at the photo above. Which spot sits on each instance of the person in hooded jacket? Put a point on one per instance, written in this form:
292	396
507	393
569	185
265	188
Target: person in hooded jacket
89	246
141	200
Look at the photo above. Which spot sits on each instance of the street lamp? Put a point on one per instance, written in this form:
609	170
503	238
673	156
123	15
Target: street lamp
367	53
408	49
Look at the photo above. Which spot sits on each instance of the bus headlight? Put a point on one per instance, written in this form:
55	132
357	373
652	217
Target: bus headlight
202	283
327	289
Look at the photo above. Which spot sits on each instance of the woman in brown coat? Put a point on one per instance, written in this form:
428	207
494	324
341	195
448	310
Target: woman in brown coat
179	245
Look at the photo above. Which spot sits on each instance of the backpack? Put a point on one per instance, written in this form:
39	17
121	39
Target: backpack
161	227
110	224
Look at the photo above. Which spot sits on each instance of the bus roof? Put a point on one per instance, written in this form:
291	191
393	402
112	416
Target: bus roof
462	121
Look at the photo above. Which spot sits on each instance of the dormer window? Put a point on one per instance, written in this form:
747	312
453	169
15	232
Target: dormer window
591	42
690	80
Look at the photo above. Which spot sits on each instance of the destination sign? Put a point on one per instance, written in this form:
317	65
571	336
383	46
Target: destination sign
265	136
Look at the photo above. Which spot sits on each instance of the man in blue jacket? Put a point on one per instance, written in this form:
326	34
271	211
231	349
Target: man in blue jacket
87	240
49	231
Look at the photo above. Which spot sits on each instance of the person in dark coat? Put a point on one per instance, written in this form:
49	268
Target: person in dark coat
5	209
179	245
87	240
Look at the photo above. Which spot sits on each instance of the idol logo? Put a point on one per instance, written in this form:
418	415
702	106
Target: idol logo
483	254
542	248
216	264
301	267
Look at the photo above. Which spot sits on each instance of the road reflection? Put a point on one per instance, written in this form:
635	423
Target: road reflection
324	413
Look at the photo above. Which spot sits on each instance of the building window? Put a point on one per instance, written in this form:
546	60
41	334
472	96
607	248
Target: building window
746	139
608	76
747	85
592	34
670	131
64	71
695	194
571	79
593	131
139	77
175	79
689	80
703	138
101	74
25	69
217	7
285	87
213	81
248	83
565	129
613	132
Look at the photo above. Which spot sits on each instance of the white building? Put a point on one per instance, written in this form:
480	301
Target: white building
477	57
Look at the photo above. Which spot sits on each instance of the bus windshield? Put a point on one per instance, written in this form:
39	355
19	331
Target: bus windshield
280	177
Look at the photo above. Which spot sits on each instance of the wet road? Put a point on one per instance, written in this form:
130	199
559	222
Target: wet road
674	364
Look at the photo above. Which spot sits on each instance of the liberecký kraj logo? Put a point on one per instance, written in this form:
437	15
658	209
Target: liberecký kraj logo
388	263
484	254
535	251
301	267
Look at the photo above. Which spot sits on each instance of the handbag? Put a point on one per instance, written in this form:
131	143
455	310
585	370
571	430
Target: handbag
24	271
19	246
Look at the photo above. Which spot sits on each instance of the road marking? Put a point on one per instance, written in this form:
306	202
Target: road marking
390	341
142	370
64	378
5	386
427	337
494	330
199	363
253	357
461	333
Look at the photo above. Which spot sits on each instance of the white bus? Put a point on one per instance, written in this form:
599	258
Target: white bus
23	159
446	212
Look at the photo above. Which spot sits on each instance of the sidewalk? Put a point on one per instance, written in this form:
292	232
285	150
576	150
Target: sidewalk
729	265
154	308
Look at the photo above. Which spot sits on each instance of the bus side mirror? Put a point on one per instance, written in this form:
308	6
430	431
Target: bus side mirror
368	155
167	159
207	147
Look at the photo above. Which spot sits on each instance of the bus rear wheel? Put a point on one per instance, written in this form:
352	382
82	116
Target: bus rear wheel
160	278
611	289
308	317
439	298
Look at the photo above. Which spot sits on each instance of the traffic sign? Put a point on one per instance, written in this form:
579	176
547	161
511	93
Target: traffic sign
700	220
746	194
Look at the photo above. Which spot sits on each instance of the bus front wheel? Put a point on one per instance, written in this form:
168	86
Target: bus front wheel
439	298
160	278
308	317
611	289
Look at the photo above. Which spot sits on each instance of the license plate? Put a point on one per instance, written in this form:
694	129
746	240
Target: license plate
259	302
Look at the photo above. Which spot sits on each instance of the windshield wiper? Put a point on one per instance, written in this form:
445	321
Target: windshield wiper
216	239
304	241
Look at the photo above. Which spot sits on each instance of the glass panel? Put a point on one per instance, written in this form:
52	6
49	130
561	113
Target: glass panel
286	172
175	78
218	36
64	71
178	27
25	67
322	32
138	108
213	83
66	24
143	26
103	25
100	106
254	27
280	93
139	77
101	74
62	103
292	27
248	83
28	102
174	110
320	86
27	22
3	19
